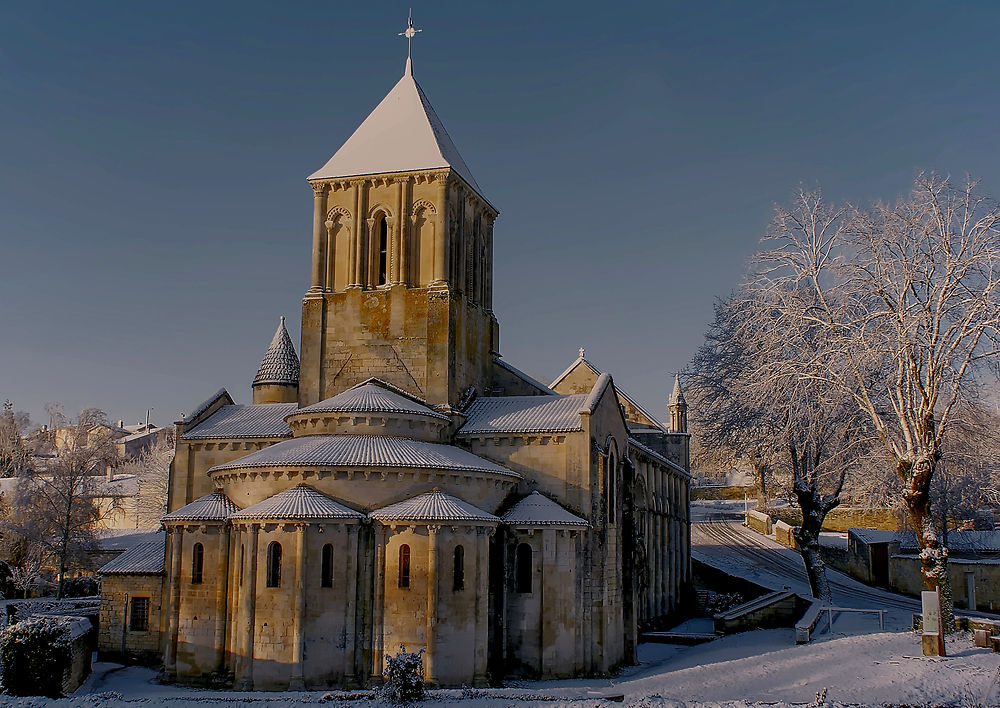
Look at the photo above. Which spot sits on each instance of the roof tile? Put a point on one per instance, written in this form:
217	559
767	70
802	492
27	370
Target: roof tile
524	414
259	420
538	510
280	364
433	506
146	559
372	396
298	502
211	507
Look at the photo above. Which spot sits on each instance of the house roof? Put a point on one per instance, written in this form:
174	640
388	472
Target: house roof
280	364
258	420
524	414
298	502
211	507
373	396
144	559
433	506
537	509
205	405
402	134
365	451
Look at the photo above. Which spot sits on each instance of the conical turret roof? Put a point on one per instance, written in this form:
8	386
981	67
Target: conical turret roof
372	396
677	397
402	134
280	364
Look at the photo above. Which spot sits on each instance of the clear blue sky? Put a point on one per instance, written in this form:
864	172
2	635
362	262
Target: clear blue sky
155	219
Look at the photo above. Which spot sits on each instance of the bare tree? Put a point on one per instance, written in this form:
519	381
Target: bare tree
14	452
152	469
756	402
908	295
55	507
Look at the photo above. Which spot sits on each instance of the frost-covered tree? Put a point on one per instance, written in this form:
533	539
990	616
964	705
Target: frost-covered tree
152	469
14	452
54	507
908	293
753	399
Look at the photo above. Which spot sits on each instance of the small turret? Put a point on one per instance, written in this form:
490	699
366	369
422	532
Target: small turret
678	409
277	379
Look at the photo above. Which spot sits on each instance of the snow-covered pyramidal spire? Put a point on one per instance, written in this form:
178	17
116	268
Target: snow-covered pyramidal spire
280	364
402	134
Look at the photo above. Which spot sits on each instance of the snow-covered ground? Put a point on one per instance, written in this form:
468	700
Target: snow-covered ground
853	664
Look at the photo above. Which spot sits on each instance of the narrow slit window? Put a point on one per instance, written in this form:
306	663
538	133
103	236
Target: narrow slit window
404	566
383	251
327	569
523	568
274	565
197	563
458	579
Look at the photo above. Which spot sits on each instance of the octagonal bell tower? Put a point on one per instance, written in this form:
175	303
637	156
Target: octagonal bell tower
402	261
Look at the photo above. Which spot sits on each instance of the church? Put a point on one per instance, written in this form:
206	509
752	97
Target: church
401	484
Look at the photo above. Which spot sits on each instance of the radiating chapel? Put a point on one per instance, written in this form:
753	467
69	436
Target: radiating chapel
401	483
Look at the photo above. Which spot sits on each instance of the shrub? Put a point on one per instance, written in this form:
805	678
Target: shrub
403	678
83	586
34	656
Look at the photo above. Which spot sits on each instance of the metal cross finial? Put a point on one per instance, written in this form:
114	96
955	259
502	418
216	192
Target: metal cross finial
581	352
409	33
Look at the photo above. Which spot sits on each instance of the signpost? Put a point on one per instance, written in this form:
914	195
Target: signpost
932	640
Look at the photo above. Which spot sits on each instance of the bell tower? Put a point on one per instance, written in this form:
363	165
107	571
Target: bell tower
402	261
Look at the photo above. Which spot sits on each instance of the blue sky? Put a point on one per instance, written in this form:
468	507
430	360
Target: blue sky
155	219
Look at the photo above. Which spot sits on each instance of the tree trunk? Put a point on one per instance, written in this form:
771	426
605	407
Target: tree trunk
933	554
807	538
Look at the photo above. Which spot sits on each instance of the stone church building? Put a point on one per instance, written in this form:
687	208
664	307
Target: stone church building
402	484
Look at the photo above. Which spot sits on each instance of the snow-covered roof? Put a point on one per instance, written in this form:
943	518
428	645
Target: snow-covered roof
125	539
206	404
523	376
657	456
298	502
373	396
146	558
402	134
433	506
678	395
365	451
258	420
538	510
524	414
280	364
211	507
882	535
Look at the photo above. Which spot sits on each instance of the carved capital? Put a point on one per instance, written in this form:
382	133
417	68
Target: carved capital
320	189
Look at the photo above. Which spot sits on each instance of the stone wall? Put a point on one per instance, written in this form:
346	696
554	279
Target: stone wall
905	577
117	641
759	522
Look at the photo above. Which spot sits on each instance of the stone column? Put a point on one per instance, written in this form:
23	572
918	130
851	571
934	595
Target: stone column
394	274
248	607
173	619
441	244
330	282
548	601
360	192
297	682
482	605
488	267
319	232
350	552
430	669
378	644
221	593
405	228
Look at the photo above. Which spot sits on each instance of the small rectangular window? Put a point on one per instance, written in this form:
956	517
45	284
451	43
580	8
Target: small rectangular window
138	620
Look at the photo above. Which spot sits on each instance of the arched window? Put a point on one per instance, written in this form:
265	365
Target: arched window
404	566
274	564
197	563
522	568
327	570
383	251
458	579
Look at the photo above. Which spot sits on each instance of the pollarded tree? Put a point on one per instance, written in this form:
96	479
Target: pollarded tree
908	293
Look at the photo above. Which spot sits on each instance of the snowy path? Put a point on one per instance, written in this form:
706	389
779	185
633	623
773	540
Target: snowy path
730	546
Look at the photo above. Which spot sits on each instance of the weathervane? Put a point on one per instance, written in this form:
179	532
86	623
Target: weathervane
410	33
